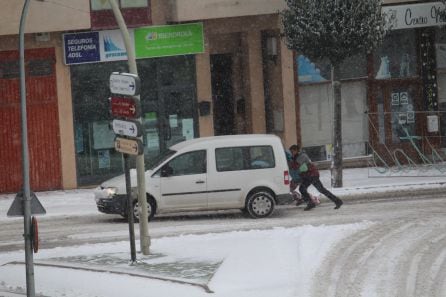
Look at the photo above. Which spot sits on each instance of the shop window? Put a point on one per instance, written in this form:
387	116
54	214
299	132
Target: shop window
169	112
397	57
403	114
320	70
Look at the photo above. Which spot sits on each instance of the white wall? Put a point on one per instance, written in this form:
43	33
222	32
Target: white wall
188	10
46	16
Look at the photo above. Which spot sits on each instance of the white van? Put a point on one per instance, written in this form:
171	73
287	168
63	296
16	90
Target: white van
247	172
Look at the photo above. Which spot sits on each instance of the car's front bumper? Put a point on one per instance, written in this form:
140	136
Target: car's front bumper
115	205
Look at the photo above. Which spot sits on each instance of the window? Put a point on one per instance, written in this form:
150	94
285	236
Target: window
397	57
101	5
188	163
133	3
403	114
136	13
320	70
244	158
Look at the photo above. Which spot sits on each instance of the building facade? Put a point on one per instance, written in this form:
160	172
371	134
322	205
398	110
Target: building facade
240	81
393	99
228	72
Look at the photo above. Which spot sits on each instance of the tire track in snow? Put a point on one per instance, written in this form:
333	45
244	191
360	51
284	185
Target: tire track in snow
425	265
399	258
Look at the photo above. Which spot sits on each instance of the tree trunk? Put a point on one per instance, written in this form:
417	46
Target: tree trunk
336	165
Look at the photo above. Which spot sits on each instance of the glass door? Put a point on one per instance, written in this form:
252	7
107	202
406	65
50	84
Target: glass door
394	117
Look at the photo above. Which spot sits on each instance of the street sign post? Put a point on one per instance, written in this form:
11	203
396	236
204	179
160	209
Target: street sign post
125	107
124	84
127	128
128	84
129	146
16	208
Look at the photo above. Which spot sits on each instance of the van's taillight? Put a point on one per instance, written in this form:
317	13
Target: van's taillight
286	177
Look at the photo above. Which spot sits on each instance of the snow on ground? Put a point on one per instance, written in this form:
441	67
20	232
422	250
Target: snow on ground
274	262
277	262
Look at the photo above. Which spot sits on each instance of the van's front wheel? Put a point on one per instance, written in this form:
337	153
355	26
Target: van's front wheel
260	204
150	209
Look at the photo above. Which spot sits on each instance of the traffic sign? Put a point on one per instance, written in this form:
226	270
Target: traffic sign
125	107
124	84
16	208
127	128
129	146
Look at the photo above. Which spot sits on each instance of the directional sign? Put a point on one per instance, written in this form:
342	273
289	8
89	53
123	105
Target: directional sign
125	107
128	146
124	84
127	128
16	209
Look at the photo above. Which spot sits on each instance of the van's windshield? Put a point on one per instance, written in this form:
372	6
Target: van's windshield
152	163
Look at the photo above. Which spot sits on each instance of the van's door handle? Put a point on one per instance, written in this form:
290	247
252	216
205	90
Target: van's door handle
199	182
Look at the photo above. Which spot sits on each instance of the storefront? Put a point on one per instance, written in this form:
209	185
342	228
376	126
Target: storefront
168	94
404	103
393	99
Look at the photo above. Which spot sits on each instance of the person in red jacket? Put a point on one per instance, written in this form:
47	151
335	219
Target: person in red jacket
309	175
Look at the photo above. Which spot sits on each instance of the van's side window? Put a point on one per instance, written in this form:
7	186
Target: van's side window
188	163
244	158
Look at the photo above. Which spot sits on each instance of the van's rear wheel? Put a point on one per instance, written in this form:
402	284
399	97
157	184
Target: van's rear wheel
150	209
260	204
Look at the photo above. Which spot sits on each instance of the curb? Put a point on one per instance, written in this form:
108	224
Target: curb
202	286
409	193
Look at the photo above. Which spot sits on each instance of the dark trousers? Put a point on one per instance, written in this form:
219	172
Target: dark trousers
315	181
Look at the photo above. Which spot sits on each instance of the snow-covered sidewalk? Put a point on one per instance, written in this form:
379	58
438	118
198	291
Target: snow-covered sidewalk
357	183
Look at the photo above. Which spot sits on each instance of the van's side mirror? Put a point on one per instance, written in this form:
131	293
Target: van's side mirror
166	171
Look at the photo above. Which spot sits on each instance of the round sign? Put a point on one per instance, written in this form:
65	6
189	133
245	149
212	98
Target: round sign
34	234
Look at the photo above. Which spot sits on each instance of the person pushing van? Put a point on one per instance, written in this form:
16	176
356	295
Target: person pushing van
309	175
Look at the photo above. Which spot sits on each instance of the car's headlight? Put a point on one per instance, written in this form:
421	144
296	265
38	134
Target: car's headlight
110	192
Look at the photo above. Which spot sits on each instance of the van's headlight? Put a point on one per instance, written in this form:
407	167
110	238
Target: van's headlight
106	192
110	192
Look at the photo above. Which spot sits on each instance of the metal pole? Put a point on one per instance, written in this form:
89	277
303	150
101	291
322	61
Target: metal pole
30	289
128	186
140	168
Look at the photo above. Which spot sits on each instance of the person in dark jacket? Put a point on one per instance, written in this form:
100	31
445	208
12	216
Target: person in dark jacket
309	175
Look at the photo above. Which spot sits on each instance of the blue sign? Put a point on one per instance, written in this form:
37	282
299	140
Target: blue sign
81	48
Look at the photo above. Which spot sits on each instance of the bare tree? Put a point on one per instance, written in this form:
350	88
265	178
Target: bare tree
334	30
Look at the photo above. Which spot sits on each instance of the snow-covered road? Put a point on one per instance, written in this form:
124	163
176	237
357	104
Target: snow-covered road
402	255
388	247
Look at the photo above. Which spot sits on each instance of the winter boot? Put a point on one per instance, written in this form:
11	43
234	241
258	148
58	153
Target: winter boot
309	206
338	204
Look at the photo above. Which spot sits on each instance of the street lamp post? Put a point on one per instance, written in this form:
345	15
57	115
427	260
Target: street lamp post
29	262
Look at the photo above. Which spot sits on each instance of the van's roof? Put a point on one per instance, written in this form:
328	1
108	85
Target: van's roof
226	139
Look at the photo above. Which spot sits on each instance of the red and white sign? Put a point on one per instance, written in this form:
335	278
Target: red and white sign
125	107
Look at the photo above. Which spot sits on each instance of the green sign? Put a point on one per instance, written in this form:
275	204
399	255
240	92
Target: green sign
159	41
